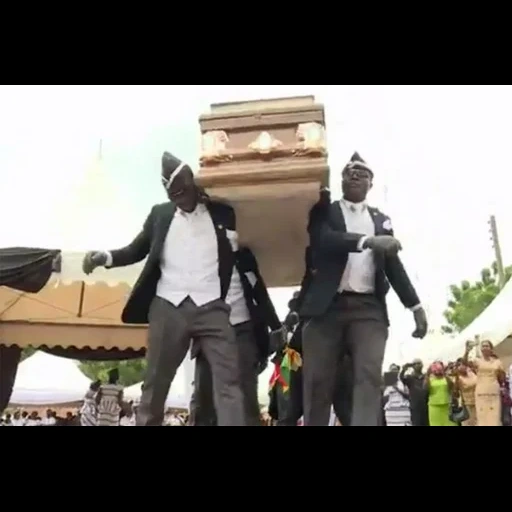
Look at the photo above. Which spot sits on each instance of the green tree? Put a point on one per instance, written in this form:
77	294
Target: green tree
468	300
27	352
130	371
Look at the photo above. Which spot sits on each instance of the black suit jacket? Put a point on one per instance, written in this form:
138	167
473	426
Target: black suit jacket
263	314
330	246
149	242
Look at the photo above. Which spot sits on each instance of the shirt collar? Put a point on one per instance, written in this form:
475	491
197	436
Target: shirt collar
355	207
200	209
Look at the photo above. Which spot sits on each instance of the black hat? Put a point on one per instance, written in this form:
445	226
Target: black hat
357	162
172	165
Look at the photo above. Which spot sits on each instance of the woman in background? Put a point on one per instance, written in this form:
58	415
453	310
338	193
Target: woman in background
440	391
490	374
109	400
466	383
506	403
88	412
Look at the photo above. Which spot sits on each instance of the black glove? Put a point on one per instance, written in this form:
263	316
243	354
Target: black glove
420	319
92	260
385	244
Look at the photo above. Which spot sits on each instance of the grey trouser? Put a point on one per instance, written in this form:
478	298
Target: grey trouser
353	324
170	330
202	404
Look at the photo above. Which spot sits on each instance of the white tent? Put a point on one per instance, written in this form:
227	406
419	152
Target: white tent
43	379
181	389
493	324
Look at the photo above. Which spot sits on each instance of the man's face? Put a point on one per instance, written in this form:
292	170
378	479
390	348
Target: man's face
418	367
183	191
355	184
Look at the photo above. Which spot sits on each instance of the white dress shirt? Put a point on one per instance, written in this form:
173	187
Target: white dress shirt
189	261
236	299
189	264
359	274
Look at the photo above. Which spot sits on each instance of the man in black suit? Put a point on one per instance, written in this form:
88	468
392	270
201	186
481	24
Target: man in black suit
181	292
253	317
354	258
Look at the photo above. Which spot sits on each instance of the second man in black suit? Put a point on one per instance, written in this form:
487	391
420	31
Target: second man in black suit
354	258
253	318
181	292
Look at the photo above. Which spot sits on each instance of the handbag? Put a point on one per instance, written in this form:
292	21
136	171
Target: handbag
458	411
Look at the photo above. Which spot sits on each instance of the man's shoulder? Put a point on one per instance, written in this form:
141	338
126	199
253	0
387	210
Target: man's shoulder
162	208
385	218
221	207
223	213
378	211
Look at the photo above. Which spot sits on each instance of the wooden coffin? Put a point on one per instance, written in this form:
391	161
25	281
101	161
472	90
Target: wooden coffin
268	159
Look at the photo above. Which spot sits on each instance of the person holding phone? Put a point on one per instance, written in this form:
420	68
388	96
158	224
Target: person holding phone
490	374
466	383
397	407
413	377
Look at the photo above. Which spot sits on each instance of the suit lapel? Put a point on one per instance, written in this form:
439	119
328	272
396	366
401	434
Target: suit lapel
220	228
162	228
378	219
338	219
226	257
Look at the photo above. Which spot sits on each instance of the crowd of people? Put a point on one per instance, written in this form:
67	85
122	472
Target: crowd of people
51	418
467	392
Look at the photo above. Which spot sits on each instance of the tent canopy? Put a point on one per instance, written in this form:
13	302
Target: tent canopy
43	379
493	324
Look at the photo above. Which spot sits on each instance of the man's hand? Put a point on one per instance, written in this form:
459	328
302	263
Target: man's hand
470	345
92	260
420	319
385	244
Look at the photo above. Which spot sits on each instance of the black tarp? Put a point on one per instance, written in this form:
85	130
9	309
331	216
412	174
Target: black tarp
27	270
96	354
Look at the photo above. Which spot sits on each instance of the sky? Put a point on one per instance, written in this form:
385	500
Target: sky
440	154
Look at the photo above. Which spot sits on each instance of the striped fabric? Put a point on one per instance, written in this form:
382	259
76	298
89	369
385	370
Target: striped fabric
88	412
109	408
397	409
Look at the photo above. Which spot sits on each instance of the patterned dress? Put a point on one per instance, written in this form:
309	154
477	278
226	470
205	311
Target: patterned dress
109	408
88	412
397	409
467	384
488	393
